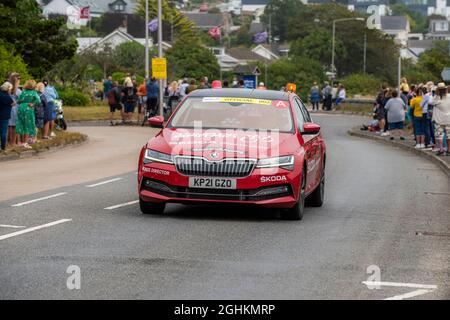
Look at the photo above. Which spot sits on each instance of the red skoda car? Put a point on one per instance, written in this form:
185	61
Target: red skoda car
257	147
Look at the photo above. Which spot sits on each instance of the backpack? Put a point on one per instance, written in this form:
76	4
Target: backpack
112	97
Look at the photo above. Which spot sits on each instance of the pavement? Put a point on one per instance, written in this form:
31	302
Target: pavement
407	144
386	212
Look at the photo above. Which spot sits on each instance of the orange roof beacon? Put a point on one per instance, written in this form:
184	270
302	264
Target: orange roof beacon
291	87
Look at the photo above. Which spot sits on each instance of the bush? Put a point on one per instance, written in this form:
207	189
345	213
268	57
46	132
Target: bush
71	97
119	76
361	84
11	62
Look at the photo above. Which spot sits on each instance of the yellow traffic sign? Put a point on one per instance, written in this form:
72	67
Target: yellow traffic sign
159	68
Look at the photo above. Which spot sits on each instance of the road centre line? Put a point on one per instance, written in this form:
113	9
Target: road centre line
10	226
103	182
18	233
39	199
121	205
411	294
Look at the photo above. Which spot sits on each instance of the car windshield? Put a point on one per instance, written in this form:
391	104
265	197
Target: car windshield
234	113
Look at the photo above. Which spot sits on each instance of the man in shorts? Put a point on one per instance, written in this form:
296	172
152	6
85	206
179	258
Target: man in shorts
114	98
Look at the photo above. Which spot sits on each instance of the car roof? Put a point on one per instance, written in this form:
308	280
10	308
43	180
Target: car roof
241	93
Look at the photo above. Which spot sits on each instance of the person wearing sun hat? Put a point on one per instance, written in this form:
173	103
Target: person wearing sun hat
441	118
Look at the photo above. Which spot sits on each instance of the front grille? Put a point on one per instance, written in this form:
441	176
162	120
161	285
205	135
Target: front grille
229	167
214	194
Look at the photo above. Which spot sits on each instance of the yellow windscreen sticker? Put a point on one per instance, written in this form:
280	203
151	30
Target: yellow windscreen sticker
237	100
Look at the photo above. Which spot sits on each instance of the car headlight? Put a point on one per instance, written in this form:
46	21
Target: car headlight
155	156
285	162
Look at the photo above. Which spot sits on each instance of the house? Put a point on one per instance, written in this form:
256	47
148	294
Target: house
97	7
441	8
438	28
397	27
250	6
226	61
206	21
363	5
112	40
419	46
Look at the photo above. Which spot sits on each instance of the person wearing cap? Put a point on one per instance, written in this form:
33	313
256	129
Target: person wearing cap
418	122
129	99
261	86
441	118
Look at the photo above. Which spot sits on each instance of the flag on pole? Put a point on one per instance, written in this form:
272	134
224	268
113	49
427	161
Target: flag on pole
214	32
85	13
260	37
153	25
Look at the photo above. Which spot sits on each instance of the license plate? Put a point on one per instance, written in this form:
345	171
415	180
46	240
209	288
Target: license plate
212	183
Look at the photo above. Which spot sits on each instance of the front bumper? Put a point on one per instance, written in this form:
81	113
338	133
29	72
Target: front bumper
274	188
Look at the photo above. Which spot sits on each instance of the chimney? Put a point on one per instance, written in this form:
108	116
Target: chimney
124	26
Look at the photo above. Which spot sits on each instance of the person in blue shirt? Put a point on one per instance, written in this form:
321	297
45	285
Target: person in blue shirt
50	113
6	103
152	96
107	86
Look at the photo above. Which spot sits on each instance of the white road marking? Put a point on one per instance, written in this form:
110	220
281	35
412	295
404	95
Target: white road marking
122	205
422	288
10	226
18	233
399	284
411	294
40	199
103	182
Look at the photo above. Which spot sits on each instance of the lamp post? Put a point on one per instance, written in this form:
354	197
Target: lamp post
160	55
333	68
147	51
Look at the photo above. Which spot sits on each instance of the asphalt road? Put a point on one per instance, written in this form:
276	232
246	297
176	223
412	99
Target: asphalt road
384	208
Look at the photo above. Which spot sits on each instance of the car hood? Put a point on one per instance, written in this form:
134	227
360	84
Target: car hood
216	144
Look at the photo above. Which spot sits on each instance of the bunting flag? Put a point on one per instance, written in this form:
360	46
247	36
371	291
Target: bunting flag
85	13
260	37
153	25
214	32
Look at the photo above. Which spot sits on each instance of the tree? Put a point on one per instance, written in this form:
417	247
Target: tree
182	26
41	43
429	66
310	30
316	46
191	59
277	16
9	61
131	56
302	71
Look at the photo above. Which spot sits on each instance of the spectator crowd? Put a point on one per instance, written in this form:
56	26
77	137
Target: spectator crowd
425	106
27	112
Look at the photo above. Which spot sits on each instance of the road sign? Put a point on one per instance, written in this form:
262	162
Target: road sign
445	74
256	71
250	82
159	68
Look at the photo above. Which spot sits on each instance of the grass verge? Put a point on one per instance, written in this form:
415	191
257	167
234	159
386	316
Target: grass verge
63	138
91	113
356	108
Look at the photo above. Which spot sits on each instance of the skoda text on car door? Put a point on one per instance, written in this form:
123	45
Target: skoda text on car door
254	147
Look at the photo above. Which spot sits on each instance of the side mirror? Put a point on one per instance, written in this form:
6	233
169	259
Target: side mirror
156	121
311	128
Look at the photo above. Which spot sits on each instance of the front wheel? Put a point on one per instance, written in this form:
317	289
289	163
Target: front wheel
151	207
296	212
315	199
